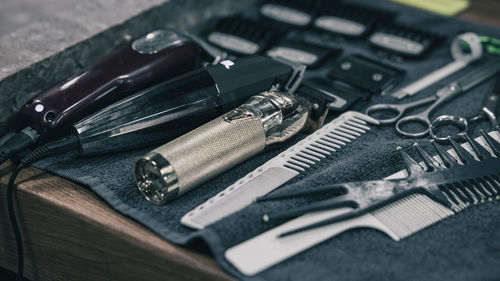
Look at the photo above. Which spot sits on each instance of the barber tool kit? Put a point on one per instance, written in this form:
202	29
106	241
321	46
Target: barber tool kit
300	140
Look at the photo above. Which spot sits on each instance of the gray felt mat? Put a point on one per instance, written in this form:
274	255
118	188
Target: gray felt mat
463	247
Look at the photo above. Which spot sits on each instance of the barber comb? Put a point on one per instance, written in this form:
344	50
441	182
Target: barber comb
241	37
404	40
350	19
429	194
399	207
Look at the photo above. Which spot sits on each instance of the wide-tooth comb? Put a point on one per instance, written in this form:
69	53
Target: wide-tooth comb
350	19
404	40
398	218
241	36
292	162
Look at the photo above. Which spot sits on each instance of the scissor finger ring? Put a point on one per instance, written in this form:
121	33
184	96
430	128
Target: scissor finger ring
456	121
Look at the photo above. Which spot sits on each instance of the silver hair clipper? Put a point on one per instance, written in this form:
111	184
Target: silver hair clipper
173	169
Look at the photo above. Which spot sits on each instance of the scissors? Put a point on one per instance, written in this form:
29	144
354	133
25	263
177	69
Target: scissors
488	111
461	85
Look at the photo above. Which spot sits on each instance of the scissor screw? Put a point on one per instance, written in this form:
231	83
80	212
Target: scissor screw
377	77
346	65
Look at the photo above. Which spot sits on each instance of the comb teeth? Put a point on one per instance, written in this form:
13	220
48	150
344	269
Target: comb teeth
445	157
471	192
462	154
431	163
492	143
412	167
460	194
329	139
417	211
480	151
411	214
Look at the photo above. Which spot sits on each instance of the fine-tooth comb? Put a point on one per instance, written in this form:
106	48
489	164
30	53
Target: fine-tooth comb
398	207
285	166
240	36
404	40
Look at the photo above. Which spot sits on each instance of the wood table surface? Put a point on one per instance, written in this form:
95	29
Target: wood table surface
69	233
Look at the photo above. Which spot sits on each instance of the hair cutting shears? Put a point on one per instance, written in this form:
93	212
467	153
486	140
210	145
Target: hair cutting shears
463	84
488	112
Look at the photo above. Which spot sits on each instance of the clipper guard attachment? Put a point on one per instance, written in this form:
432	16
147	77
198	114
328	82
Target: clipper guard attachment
241	37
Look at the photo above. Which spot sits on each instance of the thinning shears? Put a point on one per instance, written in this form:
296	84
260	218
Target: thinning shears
461	85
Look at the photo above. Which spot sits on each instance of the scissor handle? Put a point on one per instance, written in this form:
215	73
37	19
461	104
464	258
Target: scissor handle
456	121
417	118
395	108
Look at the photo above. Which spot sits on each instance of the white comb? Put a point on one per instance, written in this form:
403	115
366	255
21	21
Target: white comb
277	171
398	220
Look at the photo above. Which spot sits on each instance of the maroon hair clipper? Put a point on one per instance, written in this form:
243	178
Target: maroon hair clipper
150	59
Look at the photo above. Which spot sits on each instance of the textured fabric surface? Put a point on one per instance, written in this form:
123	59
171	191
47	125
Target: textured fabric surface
462	247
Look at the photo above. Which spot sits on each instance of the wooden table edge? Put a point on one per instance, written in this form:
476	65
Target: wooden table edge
38	190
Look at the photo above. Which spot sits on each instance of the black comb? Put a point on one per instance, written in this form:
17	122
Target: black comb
350	19
401	207
241	36
404	40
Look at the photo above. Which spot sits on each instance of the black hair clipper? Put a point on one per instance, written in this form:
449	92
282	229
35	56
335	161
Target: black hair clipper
167	110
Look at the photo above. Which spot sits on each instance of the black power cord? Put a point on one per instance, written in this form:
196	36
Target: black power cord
38	153
18	142
13	222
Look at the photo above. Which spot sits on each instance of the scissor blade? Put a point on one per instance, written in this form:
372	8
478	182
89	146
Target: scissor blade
492	101
484	72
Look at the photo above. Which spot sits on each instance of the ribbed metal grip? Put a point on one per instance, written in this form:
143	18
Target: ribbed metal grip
182	164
